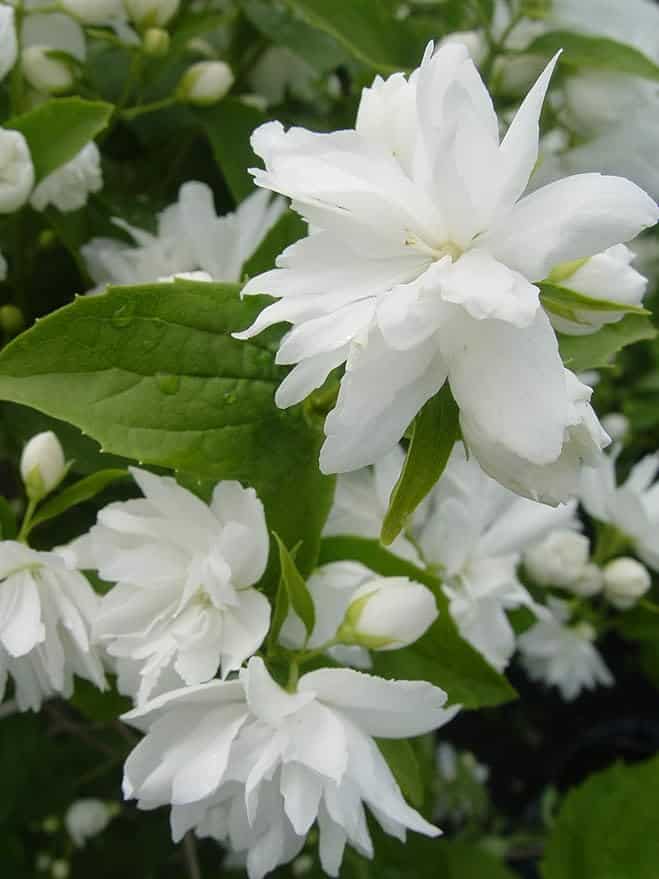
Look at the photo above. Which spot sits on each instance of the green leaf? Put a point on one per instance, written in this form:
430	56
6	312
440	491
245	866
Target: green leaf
8	526
58	129
567	303
435	430
297	593
366	28
404	765
602	53
440	656
422	858
288	229
154	374
99	706
606	828
77	493
596	349
229	126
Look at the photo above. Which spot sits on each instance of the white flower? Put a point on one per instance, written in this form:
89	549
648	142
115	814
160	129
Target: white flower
421	267
606	276
616	425
42	33
475	536
42	463
68	187
279	73
205	82
182	605
45	615
191	237
625	581
86	818
255	766
563	656
94	11
633	507
16	171
8	41
558	560
151	13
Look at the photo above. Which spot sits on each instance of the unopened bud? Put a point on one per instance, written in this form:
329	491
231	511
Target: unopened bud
387	613
42	464
151	13
625	581
205	83
60	869
156	42
589	582
86	818
616	425
47	71
11	320
559	560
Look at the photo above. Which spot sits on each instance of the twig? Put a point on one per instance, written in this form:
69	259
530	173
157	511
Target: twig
190	856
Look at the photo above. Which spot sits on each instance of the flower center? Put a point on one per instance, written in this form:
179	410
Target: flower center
446	248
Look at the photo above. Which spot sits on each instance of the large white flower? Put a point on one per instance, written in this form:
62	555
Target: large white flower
183	604
68	187
8	41
420	267
255	766
191	237
16	171
633	507
561	655
45	618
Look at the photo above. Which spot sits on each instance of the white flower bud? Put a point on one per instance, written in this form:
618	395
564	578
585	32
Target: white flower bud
16	171
42	464
52	76
93	11
86	818
559	560
589	582
616	425
473	41
156	42
151	13
60	869
8	41
387	613
625	581
205	82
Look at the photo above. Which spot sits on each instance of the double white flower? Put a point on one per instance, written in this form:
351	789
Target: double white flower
254	766
183	604
422	265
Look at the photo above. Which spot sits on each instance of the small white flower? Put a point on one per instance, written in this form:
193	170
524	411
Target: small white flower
255	766
422	266
559	560
625	581
205	82
182	605
633	507
8	41
60	869
45	618
191	238
151	13
68	187
589	582
43	465
387	613
16	171
85	819
561	655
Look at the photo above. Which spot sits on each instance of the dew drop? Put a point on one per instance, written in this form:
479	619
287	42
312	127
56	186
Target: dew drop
168	383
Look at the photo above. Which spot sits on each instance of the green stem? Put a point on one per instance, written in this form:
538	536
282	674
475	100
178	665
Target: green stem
27	520
611	542
142	110
293	675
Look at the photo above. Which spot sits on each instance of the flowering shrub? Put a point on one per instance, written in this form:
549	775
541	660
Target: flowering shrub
328	431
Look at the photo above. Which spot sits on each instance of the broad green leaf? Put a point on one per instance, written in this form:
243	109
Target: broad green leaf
154	374
229	126
441	656
596	349
57	130
606	828
435	430
77	493
297	593
8	527
568	303
404	765
580	50
366	28
422	858
288	229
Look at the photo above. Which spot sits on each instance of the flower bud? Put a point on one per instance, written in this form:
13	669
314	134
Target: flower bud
92	11
156	42
12	321
86	818
559	560
16	171
151	13
616	425
47	74
42	464
625	581
205	82
60	869
8	41
387	613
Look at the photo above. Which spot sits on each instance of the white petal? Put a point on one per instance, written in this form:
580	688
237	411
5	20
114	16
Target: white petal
301	791
245	628
265	697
